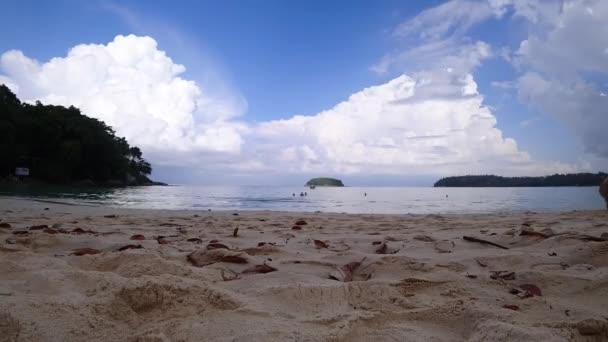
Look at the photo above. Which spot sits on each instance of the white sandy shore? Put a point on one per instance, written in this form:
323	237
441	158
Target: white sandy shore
436	287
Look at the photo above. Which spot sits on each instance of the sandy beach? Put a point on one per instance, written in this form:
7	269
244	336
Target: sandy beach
78	273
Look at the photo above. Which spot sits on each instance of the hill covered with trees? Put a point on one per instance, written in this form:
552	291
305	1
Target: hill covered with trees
62	145
324	182
574	179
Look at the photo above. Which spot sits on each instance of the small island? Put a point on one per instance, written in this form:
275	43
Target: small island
574	179
324	181
58	145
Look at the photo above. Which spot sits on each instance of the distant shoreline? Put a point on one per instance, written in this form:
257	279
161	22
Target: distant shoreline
557	180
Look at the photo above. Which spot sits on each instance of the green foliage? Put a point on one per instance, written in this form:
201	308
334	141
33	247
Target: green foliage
575	179
61	144
324	182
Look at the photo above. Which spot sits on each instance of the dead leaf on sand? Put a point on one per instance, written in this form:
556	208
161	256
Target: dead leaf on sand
235	259
301	223
217	245
320	244
531	289
511	307
259	269
345	273
481	263
261	244
527	232
129	247
138	237
39	227
503	275
163	240
82	231
85	251
482	241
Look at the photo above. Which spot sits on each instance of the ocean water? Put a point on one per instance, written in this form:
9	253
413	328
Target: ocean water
379	200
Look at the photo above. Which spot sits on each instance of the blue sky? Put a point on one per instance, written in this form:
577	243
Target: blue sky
285	57
253	63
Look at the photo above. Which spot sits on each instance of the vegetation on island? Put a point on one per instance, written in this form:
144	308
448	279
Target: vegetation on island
62	145
324	181
574	179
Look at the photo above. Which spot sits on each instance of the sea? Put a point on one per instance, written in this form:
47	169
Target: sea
363	200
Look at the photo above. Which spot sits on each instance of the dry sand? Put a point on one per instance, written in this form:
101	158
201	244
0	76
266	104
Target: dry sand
435	287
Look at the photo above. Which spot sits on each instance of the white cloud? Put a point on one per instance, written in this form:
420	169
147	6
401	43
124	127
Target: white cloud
431	123
579	105
135	88
564	50
453	17
559	59
459	55
436	38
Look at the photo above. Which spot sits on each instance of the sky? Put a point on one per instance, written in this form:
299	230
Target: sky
372	92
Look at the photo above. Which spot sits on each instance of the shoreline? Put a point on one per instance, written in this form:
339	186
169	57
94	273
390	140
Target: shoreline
418	279
8	199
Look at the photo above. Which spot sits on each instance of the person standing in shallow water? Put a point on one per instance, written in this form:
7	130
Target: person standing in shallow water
604	191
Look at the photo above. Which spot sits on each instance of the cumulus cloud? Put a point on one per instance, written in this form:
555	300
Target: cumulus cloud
433	122
134	87
561	61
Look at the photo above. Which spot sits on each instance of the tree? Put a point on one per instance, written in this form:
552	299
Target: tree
61	144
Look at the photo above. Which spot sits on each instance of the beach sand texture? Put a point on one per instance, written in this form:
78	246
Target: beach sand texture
418	279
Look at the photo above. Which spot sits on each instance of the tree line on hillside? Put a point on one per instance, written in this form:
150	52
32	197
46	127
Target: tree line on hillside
574	179
62	145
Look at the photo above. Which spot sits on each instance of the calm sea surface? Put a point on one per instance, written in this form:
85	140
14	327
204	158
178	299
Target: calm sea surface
386	200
